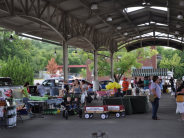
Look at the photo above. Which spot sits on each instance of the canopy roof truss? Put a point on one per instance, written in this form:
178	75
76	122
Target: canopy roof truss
74	22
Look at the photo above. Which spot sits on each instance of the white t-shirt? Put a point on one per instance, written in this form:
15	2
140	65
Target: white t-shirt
41	90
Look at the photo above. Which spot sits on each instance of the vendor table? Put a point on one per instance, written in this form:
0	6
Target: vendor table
145	93
39	104
133	104
103	94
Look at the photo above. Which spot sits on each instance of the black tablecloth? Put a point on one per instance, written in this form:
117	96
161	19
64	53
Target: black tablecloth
133	104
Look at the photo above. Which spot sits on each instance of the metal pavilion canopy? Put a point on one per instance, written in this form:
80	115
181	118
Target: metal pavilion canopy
150	72
82	25
97	25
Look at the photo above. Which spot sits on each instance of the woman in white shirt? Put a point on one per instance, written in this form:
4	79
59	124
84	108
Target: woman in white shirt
85	88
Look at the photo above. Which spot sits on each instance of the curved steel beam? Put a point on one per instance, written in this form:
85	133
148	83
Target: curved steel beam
154	42
47	24
81	37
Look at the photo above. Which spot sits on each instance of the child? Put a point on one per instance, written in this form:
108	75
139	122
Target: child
75	103
68	103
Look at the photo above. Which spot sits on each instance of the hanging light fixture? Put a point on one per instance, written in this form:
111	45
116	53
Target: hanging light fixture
181	3
94	6
75	50
109	18
11	38
119	28
69	34
125	33
88	57
180	15
176	32
143	3
178	25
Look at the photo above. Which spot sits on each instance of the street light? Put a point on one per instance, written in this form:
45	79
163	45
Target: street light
180	15
109	18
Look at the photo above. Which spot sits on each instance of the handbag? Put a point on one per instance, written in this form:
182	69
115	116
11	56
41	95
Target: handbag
151	98
180	98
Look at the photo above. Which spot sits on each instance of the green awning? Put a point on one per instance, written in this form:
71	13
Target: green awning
150	72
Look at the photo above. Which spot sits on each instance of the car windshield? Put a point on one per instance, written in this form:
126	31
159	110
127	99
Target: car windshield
69	81
70	77
6	82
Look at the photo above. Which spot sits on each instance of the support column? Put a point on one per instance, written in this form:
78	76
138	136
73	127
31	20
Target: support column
112	67
65	60
95	66
95	82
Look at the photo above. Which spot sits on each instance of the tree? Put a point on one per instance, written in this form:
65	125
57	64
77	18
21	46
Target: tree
83	73
123	61
18	71
52	67
172	64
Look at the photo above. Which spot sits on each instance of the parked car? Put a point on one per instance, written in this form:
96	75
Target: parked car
52	84
90	84
104	83
7	89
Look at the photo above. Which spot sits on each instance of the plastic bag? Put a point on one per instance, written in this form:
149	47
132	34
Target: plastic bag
82	98
1	112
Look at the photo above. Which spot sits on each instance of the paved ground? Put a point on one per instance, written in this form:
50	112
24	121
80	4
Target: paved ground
132	126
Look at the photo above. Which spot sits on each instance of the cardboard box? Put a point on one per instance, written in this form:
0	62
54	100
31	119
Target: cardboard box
61	94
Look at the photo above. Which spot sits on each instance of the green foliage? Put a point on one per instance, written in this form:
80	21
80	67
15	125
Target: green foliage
83	73
168	55
18	71
123	61
173	63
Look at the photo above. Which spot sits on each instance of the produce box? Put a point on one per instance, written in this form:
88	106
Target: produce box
38	98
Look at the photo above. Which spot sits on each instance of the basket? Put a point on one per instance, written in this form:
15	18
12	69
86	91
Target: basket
2	103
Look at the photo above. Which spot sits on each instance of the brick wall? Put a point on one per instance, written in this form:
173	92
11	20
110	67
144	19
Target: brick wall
148	62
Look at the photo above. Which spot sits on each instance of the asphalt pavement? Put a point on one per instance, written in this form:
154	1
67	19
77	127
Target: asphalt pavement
131	126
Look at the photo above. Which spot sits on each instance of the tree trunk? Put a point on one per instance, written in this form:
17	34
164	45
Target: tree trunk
116	79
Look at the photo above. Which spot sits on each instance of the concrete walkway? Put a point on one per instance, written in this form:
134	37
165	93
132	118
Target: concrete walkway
132	126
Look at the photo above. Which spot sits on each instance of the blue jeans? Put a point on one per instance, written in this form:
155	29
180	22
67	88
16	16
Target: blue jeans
28	105
146	87
155	106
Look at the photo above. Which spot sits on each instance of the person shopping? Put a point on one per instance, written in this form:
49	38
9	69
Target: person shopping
180	105
85	88
77	88
156	91
26	99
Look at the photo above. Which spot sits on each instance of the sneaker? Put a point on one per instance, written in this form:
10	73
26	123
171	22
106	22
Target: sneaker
31	113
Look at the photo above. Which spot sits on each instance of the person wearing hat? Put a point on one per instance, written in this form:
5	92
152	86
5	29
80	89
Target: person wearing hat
40	89
125	85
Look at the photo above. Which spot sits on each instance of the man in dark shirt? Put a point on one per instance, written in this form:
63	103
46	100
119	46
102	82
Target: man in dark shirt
140	83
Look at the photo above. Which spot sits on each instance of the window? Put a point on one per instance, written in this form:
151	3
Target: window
47	83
